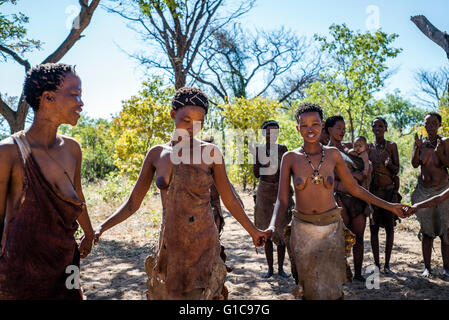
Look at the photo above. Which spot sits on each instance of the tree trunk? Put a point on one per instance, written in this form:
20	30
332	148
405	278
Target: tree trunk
180	76
431	32
351	125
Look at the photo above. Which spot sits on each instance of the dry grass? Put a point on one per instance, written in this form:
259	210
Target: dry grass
115	268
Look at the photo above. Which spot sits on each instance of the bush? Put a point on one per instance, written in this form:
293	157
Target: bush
97	145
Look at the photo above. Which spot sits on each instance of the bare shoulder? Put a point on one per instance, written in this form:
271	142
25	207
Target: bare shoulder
392	145
290	156
8	151
331	151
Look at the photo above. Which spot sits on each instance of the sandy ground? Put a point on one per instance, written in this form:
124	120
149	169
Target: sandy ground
115	268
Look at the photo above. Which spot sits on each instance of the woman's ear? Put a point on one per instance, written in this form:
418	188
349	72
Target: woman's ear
172	114
48	96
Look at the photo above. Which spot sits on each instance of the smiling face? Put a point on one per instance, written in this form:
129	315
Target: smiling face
337	132
188	119
378	128
310	126
63	105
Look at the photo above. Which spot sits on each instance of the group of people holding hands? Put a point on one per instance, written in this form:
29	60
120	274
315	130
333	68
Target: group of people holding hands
336	187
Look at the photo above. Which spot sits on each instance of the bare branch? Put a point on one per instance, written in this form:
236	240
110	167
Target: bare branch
81	23
16	57
434	34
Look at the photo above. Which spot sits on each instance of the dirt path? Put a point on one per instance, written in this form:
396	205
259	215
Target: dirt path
115	269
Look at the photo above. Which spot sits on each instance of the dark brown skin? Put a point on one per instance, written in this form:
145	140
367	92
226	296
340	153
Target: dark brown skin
294	165
56	107
272	132
356	225
158	162
389	166
433	162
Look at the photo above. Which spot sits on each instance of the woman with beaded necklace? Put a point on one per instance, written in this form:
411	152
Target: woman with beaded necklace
317	236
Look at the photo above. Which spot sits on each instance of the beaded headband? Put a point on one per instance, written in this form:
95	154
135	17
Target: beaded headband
196	100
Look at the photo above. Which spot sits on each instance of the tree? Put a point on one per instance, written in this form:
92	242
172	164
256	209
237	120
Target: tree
430	31
143	123
176	29
243	118
234	59
433	85
357	69
13	45
400	113
97	144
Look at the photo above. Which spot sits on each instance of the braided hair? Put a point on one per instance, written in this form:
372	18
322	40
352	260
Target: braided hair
189	96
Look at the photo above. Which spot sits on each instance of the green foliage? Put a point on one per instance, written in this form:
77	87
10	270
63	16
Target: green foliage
97	146
115	188
357	70
246	115
400	113
13	32
143	122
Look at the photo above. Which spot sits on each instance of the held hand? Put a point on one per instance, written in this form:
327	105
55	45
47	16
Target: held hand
411	210
399	210
98	233
269	232
418	141
259	238
85	246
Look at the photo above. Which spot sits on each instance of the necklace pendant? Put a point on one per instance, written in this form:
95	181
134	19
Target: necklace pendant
316	177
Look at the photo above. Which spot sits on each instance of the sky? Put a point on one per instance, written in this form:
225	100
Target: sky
109	76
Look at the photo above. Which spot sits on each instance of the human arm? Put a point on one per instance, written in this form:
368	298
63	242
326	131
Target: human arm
85	245
283	195
230	200
256	165
416	151
429	203
392	163
5	176
442	151
138	193
359	192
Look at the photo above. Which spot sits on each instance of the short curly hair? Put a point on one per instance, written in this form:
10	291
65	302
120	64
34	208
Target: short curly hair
332	121
44	77
308	107
189	96
269	123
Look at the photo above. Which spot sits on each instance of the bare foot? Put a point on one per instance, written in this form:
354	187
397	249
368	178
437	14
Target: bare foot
268	274
283	274
445	274
427	273
359	278
387	271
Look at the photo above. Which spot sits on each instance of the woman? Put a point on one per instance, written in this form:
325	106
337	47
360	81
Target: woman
41	199
432	155
353	209
267	190
317	236
188	263
385	184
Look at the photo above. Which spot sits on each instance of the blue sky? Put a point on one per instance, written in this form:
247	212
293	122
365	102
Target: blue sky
110	76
